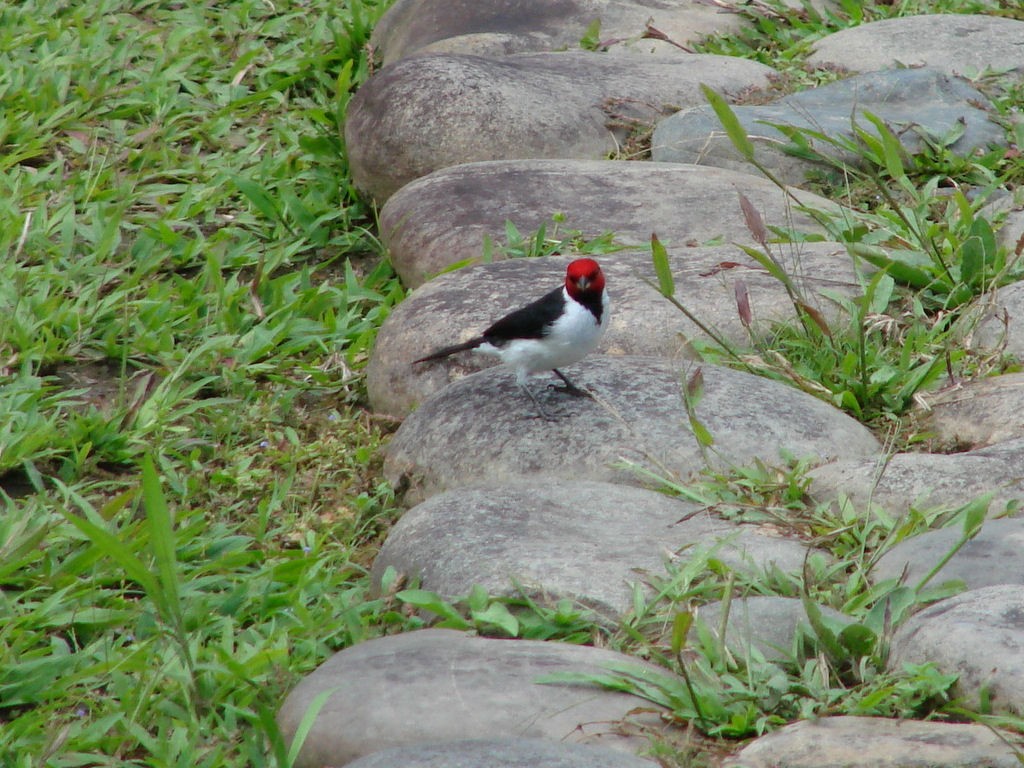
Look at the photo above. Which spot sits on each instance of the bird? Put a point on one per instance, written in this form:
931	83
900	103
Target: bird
558	329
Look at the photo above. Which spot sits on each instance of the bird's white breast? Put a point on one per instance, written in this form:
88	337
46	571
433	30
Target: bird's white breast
571	338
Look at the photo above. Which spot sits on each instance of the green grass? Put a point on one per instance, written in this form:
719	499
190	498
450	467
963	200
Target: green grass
190	485
191	490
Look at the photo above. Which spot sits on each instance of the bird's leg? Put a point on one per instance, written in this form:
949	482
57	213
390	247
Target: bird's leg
540	409
569	388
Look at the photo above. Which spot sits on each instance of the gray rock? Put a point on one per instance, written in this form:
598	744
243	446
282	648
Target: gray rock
482	429
456	305
871	742
911	101
994	556
1010	452
498	27
499	753
977	413
769	625
959	44
431	112
922	481
442	219
1005	211
978	635
1000	328
1011	235
585	541
441	685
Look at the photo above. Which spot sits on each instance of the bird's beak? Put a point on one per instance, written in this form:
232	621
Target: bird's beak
583	283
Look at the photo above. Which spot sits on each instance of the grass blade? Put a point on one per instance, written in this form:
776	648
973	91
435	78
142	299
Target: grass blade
306	724
118	551
736	133
161	540
889	145
259	197
666	283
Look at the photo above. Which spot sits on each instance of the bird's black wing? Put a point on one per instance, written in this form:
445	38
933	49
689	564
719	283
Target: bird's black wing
533	321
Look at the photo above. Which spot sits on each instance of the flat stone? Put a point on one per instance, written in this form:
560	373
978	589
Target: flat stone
586	541
994	556
483	429
431	112
499	753
771	626
457	305
910	101
978	635
960	44
922	481
872	742
977	413
441	685
500	27
443	219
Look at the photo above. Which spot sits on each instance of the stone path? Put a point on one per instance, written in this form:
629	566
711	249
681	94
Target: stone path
507	121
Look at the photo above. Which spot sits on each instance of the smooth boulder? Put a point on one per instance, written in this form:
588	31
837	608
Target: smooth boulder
995	555
441	685
947	634
443	219
925	481
501	27
917	105
458	305
960	44
499	753
978	413
484	429
874	742
588	542
431	112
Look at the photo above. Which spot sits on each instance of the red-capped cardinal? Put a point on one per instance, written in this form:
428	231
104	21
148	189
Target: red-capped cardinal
558	329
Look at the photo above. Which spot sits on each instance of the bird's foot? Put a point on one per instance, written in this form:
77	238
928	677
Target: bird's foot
541	412
546	416
568	387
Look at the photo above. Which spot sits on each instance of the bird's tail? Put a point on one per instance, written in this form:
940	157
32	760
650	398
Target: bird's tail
446	351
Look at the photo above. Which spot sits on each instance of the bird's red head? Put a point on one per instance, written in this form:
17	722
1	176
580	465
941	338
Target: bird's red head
584	277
